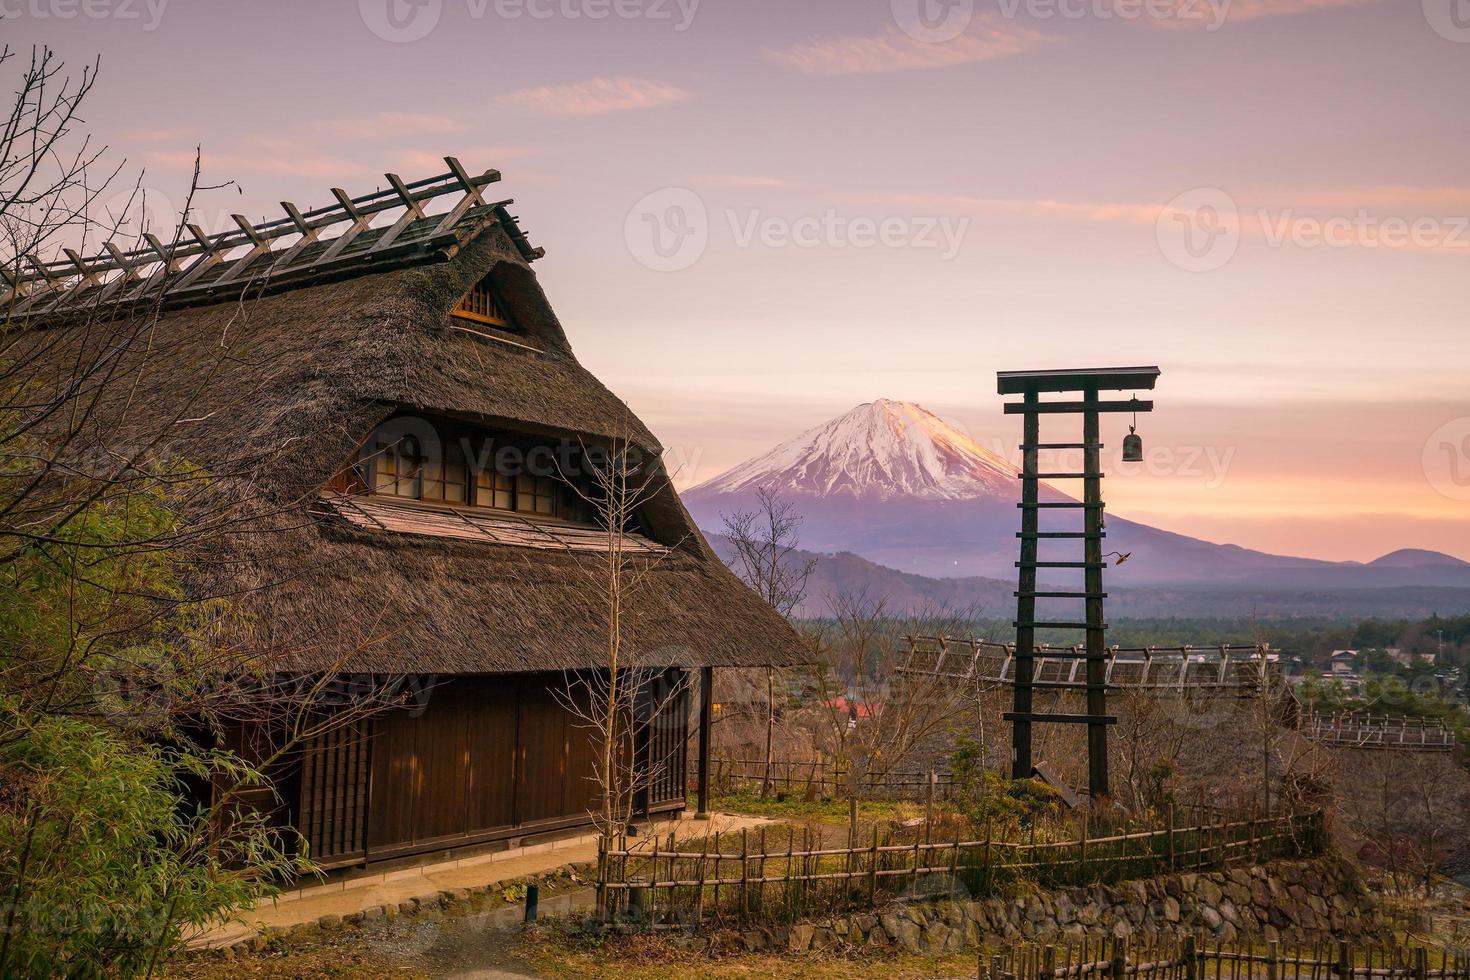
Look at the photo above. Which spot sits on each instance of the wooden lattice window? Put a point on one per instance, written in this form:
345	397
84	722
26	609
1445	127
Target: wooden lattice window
483	306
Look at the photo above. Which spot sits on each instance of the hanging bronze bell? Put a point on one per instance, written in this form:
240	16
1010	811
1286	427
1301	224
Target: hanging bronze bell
1132	448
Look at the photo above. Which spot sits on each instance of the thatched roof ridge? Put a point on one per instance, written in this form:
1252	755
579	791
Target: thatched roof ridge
275	393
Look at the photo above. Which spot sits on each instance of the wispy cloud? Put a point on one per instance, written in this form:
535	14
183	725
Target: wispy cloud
1212	13
988	37
280	157
390	125
1389	197
745	182
474	158
596	95
1117	213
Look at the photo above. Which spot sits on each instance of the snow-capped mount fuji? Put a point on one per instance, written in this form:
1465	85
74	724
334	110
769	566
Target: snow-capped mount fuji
896	484
880	450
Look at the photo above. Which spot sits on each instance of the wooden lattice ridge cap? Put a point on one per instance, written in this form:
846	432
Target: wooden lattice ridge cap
199	268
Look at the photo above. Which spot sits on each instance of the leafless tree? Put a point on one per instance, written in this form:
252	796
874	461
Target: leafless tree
117	620
619	703
766	541
870	718
1402	811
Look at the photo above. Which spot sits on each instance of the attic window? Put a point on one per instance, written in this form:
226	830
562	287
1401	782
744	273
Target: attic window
483	306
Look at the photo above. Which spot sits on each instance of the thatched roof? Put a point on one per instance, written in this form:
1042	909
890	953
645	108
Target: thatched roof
272	387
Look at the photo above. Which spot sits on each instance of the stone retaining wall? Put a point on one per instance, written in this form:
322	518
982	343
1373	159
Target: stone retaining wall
1291	901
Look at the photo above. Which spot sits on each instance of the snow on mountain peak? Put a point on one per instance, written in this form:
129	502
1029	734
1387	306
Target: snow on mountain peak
880	449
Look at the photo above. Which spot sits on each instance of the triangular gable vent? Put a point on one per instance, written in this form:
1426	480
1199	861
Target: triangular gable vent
483	306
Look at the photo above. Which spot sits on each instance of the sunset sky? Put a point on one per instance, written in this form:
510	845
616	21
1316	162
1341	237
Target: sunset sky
759	213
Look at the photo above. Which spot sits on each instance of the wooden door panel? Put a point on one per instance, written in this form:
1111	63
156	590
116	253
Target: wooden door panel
492	753
541	773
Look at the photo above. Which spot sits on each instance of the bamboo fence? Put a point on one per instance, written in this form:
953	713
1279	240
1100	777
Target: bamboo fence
1192	960
736	876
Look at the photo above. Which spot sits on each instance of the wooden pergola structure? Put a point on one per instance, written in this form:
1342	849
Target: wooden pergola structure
1226	671
1085	384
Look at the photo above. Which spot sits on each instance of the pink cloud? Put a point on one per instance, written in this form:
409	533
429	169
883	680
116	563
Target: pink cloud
475	159
596	95
1211	14
275	156
987	38
745	181
389	125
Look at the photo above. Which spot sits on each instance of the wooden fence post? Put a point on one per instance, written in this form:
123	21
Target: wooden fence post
1048	963
929	808
1273	960
1172	865
1344	968
1191	960
744	873
873	871
1118	964
1421	964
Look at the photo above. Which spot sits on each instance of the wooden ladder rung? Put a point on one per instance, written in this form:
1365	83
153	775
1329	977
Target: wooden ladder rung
1060	595
1060	718
1060	476
1074	535
1067	505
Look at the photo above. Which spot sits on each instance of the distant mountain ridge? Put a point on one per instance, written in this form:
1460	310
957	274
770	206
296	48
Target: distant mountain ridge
894	483
903	593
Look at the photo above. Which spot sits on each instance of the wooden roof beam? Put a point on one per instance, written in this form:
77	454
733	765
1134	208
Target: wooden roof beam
471	194
360	222
308	234
260	245
413	211
212	255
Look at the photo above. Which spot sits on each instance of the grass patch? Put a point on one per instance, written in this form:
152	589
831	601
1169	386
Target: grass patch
821	811
555	954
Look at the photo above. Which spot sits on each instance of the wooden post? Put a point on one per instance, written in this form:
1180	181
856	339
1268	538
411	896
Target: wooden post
706	709
1082	857
1172	865
1421	963
1021	761
873	871
1118	964
1048	963
744	873
1344	968
1273	960
1092	575
929	808
1191	959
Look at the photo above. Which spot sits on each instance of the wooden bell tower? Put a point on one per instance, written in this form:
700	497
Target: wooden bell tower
1084	386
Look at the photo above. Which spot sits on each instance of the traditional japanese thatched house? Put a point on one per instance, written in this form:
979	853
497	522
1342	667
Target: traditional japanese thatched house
383	396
